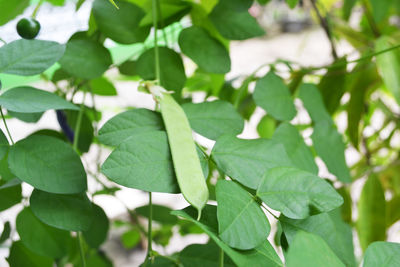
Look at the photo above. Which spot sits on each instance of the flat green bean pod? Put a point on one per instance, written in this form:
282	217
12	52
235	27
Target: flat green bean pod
186	162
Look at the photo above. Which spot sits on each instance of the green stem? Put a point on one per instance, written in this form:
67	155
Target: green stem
5	124
81	252
149	231
156	52
78	123
37	9
162	23
221	257
1	40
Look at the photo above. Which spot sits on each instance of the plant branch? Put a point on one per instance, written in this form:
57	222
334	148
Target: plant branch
5	124
325	25
35	11
81	252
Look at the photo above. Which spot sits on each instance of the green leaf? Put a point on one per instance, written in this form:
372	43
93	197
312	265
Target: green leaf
120	25
172	72
159	261
85	58
388	65
161	214
266	126
313	102
204	81
21	256
233	22
297	194
143	162
41	238
67	212
392	211
49	164
10	194
380	9
333	84
382	254
241	222
4	145
330	227
309	250
26	117
347	8
295	147
207	52
371	223
263	255
213	119
199	255
10	9
86	129
274	97
130	238
247	160
29	57
97	233
292	3
124	125
330	147
102	86
31	100
6	232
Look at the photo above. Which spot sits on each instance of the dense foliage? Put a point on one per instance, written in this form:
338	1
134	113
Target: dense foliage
153	150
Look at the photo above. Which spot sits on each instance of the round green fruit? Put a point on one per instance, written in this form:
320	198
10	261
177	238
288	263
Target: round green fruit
28	28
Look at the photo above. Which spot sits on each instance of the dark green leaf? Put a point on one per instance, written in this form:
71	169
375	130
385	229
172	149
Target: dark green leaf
30	100
313	102
347	8
247	160
85	59
309	250
199	255
172	72
371	223
297	150
124	125
6	232
10	194
4	145
263	255
296	193
26	117
292	3
213	119
380	9
97	233
161	214
102	86
274	97
120	25
241	222
234	23
67	212
20	256
159	262
49	164
382	254
41	238
207	52
29	57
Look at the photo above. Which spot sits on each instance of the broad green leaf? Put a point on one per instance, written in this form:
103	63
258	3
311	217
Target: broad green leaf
10	194
297	194
347	8
11	8
67	212
382	254
388	65
207	52
274	97
313	102
263	255
41	238
247	160
380	9
124	125
48	164
309	250
29	57
333	85
172	72
234	23
26	117
213	119
330	147
161	214
102	86
131	238
120	25
30	100
4	145
97	233
371	223
241	222
295	147
85	58
6	232
21	256
292	3
266	127
330	227
200	255
143	162
392	211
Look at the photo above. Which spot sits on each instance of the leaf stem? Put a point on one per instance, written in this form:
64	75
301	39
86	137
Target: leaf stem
149	231
81	252
156	52
221	257
78	123
5	124
37	9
